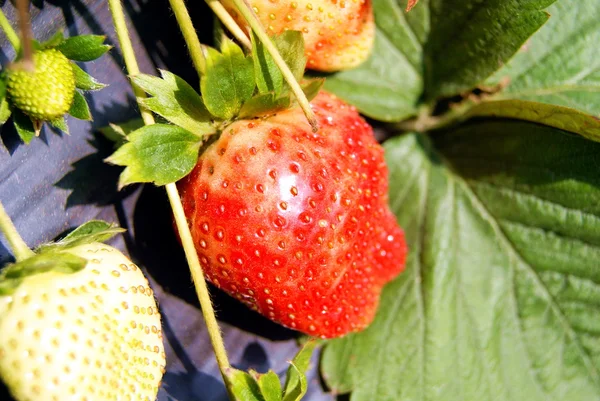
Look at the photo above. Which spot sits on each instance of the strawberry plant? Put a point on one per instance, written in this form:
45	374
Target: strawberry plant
490	122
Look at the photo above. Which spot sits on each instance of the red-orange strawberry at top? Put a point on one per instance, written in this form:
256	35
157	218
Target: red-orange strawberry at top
296	224
338	34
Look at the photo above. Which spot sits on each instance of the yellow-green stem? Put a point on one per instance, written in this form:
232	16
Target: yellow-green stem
201	289
9	31
18	246
116	9
250	16
189	35
180	220
229	23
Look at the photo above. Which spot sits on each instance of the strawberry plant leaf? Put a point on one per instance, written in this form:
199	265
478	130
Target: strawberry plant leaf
243	386
264	103
60	262
54	41
23	125
295	383
291	47
5	111
269	385
387	87
176	101
84	47
500	296
228	82
85	81
117	133
157	153
559	65
60	123
560	117
91	231
80	109
266	73
312	87
469	43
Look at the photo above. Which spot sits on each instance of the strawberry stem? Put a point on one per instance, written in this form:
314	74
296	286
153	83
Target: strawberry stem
118	17
18	246
189	35
10	33
229	23
250	16
26	34
175	201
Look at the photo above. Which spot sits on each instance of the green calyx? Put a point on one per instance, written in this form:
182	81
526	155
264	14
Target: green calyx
46	92
55	256
235	85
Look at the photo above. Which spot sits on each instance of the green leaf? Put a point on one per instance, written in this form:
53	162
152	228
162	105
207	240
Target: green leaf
270	387
265	103
555	116
91	231
5	111
291	48
23	125
54	41
84	47
500	297
295	383
80	109
85	81
176	101
157	153
60	262
228	82
559	65
3	84
312	87
60	123
118	132
387	86
469	41
243	386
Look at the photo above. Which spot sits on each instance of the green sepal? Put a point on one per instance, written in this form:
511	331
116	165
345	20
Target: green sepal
23	125
312	87
60	123
55	261
5	111
87	233
243	386
228	82
80	109
176	101
290	45
296	384
117	133
54	41
269	385
264	103
84	47
85	81
3	84
157	153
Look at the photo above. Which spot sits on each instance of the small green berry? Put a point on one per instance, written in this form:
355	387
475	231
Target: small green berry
47	92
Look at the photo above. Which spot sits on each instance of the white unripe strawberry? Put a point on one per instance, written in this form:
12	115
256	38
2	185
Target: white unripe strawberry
90	335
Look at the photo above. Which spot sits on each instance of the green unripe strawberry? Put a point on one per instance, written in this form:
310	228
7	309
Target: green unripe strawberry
47	92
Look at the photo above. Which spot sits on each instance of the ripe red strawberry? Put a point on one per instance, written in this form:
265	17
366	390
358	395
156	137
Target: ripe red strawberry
294	223
338	34
90	335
